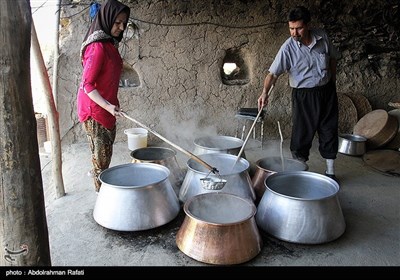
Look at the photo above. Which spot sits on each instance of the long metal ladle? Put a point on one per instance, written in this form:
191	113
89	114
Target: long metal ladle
249	133
207	182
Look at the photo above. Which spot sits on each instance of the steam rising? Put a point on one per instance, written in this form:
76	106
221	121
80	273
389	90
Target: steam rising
184	132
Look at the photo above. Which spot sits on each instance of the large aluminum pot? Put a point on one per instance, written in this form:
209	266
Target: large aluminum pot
238	181
219	228
218	144
270	165
135	196
301	207
164	156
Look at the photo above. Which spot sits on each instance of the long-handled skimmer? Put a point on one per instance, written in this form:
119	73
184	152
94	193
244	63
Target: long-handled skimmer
207	182
250	130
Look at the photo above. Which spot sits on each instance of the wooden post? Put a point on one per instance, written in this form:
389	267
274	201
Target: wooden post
52	114
23	228
56	55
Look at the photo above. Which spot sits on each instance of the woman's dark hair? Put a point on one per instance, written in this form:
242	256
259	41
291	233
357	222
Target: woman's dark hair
299	13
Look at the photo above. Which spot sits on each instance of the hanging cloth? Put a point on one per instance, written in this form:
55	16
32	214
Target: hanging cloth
94	8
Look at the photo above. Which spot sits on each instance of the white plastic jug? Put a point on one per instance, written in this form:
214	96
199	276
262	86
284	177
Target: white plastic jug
137	138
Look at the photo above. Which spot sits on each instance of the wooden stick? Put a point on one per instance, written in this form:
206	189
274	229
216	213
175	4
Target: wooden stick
281	147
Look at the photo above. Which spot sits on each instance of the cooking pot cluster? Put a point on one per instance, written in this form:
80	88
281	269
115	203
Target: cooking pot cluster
221	226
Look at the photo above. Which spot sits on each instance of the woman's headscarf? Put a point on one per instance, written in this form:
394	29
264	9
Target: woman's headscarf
100	29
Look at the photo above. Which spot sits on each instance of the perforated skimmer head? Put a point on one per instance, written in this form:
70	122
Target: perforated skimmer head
210	183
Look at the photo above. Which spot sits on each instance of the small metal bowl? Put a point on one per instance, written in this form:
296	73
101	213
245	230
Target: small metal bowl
352	144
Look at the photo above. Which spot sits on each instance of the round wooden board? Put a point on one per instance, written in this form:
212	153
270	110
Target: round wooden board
395	143
395	104
385	161
361	103
378	127
347	114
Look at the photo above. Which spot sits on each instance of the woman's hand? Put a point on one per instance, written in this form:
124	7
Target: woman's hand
103	103
117	111
113	109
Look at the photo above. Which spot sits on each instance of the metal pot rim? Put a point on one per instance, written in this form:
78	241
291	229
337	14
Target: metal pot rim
148	165
171	152
199	142
199	220
243	162
304	174
258	163
352	138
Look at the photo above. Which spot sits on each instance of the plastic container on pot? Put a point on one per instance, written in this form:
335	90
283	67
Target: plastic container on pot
137	138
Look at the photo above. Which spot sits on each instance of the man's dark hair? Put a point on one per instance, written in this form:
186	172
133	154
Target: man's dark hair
299	13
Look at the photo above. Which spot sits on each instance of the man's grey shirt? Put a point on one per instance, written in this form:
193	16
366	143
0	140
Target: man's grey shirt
308	66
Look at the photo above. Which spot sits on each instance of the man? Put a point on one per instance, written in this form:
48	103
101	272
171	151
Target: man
309	58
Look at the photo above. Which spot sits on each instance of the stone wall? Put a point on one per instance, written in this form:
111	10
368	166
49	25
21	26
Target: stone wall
174	52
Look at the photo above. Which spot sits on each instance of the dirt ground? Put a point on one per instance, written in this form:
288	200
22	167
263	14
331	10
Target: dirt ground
369	201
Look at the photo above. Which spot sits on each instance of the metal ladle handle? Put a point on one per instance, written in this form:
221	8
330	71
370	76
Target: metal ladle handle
250	130
199	160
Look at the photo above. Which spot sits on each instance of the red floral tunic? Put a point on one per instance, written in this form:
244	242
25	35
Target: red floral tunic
102	67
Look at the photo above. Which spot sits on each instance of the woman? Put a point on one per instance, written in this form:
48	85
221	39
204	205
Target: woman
97	101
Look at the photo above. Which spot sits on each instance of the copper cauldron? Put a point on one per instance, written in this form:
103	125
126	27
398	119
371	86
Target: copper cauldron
219	228
270	165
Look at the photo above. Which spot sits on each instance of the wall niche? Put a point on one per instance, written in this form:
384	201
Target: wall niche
129	77
234	70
